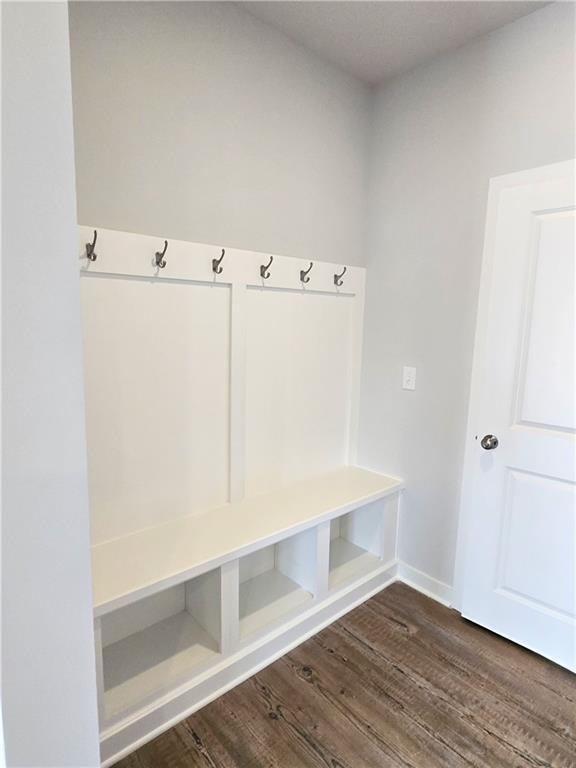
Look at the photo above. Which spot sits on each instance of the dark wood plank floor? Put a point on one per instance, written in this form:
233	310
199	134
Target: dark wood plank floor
399	682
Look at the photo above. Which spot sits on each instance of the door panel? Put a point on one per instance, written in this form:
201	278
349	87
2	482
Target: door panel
520	498
548	382
537	539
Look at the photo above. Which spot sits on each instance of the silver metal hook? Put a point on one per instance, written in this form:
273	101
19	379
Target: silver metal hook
216	268
160	260
264	274
338	278
304	274
90	255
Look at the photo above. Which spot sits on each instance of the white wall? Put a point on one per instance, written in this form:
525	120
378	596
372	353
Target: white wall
199	122
48	648
502	104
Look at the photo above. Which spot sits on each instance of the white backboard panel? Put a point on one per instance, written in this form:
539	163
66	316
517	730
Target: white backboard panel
157	400
299	360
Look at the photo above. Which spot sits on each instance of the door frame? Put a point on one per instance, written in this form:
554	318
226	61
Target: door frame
467	497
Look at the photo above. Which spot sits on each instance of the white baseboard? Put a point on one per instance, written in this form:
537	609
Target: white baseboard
428	585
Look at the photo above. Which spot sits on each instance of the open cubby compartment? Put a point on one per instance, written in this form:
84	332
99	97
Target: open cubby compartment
277	582
153	645
362	541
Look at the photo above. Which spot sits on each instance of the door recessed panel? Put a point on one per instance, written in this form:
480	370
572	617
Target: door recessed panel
539	539
548	389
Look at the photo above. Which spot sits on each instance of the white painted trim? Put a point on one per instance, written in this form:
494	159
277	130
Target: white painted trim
229	611
322	559
132	255
467	495
99	668
427	585
237	392
357	342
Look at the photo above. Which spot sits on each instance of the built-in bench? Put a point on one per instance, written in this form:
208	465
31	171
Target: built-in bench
187	609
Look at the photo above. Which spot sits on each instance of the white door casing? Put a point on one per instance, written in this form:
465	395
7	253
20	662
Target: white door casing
516	559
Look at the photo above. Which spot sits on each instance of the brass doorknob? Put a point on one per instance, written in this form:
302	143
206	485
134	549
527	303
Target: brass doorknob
489	442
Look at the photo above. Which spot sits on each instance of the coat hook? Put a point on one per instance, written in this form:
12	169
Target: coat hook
216	268
160	260
90	255
304	274
338	278
264	274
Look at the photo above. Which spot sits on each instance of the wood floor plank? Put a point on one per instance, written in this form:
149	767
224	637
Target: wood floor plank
426	614
503	716
400	682
410	711
540	693
349	684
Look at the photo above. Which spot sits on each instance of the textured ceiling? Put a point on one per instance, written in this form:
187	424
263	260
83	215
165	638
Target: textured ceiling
376	40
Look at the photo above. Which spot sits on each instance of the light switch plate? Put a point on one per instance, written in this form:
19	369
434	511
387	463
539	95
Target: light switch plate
408	377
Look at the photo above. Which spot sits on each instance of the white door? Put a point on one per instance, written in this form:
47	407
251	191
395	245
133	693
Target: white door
519	499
